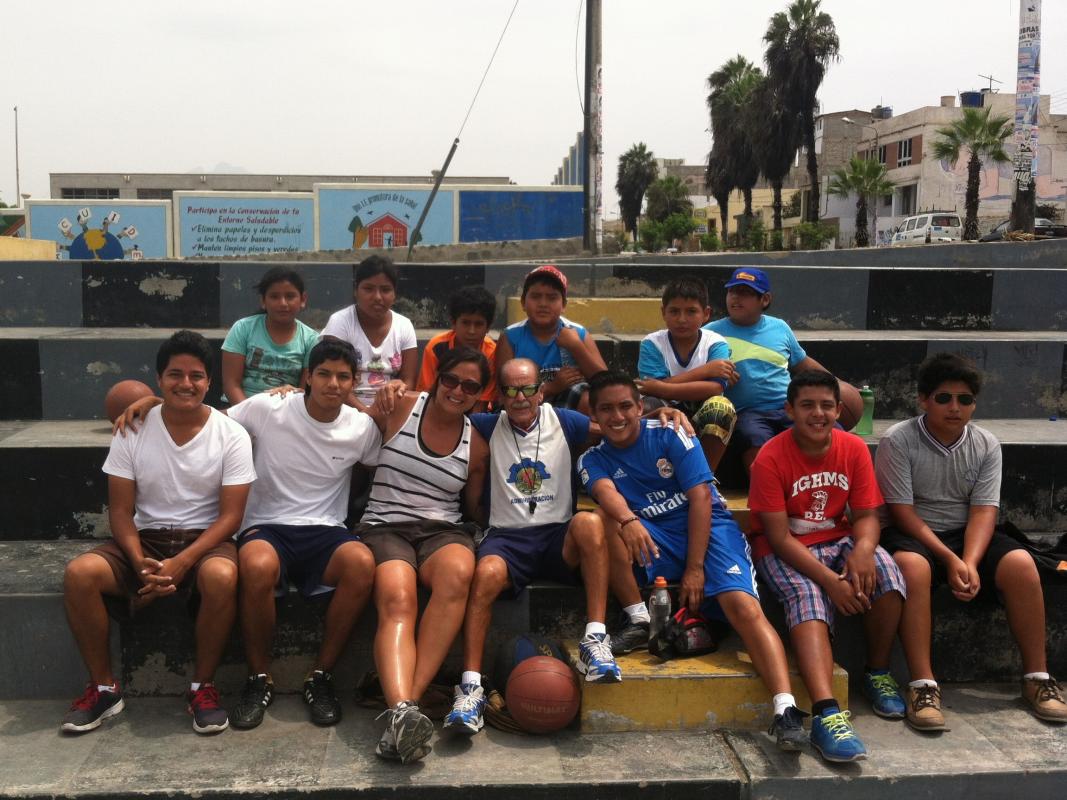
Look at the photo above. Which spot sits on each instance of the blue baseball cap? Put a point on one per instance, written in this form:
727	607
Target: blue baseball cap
753	278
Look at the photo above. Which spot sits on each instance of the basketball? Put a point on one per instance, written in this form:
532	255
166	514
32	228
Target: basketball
122	394
851	405
542	694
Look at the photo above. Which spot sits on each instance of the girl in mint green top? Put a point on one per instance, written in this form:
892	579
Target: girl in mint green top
269	349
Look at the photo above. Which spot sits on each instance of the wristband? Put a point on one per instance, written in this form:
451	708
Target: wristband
626	522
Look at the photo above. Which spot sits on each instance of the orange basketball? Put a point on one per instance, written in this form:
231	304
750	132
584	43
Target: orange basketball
542	694
122	394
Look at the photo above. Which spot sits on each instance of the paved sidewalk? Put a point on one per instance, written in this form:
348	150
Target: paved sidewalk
995	749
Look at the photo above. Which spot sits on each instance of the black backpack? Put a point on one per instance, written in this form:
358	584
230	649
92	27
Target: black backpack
687	633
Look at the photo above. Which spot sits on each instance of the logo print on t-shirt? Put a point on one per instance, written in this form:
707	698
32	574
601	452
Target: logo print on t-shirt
528	476
818	505
665	467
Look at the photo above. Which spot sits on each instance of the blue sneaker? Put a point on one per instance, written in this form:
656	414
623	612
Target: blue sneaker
835	738
884	694
595	660
468	706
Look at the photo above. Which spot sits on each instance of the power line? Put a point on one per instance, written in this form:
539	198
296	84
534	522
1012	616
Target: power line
577	80
487	66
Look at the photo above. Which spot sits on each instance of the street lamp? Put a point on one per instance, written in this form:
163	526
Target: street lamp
849	121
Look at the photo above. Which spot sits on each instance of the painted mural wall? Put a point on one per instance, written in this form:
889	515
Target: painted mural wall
211	224
381	216
498	215
102	230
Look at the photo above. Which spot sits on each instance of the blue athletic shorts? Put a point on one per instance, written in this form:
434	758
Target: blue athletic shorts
304	551
727	563
756	428
530	553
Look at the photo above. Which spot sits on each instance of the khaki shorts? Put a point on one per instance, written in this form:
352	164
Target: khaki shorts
160	545
413	542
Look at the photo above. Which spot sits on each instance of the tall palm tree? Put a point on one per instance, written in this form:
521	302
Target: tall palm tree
668	196
801	43
732	87
983	136
867	178
773	134
637	171
717	179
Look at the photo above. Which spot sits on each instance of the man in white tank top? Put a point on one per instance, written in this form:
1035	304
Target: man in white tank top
533	530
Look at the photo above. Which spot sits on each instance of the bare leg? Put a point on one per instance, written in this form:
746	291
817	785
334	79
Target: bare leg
811	643
585	545
1020	586
623	583
216	580
748	457
714	449
350	571
490	579
745	616
396	597
448	574
85	582
915	616
881	624
259	569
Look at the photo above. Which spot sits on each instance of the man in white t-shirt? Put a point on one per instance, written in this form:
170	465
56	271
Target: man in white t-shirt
176	494
294	528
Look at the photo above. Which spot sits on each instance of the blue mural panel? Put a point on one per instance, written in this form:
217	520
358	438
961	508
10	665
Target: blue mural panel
357	219
496	216
230	224
102	230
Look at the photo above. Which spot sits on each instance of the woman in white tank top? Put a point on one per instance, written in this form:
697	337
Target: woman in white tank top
413	526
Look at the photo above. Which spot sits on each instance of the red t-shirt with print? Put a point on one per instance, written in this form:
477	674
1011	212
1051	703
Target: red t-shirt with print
814	492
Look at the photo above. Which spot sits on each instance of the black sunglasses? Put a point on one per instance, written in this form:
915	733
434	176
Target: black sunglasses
450	381
525	391
944	398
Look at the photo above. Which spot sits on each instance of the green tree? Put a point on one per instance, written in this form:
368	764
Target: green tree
651	233
678	226
866	178
732	87
801	43
637	171
982	136
667	196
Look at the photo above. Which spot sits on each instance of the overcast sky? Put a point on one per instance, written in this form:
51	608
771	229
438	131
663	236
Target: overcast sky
336	86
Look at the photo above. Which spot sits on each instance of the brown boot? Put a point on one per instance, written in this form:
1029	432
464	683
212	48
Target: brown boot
924	709
1045	699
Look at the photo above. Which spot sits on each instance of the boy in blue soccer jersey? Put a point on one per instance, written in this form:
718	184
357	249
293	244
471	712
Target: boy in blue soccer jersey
655	494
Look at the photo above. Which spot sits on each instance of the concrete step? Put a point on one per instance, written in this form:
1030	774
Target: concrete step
718	690
52	470
64	373
995	749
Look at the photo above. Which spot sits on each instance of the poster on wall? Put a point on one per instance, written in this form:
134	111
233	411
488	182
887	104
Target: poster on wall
211	224
102	230
380	216
1028	92
498	215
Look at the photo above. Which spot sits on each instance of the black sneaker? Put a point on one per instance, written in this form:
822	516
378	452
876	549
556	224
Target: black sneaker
788	730
92	708
208	715
629	637
322	702
256	696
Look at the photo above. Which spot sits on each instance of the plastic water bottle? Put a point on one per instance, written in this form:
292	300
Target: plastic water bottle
659	607
865	427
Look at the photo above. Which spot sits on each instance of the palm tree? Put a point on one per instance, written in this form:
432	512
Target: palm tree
732	87
801	43
867	178
983	135
773	134
717	179
637	171
668	196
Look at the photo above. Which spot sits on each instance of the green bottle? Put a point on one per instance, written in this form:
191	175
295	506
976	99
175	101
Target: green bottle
865	427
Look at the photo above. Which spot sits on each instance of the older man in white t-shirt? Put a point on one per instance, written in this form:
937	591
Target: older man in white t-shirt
176	494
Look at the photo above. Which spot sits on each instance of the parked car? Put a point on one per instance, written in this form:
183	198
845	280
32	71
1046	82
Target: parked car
1043	229
933	226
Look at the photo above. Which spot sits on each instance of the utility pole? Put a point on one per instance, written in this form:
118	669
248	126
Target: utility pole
18	187
1027	103
592	137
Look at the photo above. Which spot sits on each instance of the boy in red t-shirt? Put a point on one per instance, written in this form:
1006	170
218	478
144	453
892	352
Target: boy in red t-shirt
817	563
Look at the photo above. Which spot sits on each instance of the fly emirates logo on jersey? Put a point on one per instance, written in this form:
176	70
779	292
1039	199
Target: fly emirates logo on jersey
817	483
661	503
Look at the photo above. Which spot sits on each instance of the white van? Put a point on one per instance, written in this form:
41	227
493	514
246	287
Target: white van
933	226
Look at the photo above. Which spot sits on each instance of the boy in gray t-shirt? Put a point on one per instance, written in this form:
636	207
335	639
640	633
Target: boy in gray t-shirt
940	476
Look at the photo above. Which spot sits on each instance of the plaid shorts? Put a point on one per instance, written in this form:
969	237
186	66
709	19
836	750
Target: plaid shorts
805	600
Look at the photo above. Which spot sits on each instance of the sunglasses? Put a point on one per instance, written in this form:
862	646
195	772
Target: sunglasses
525	391
944	398
450	381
